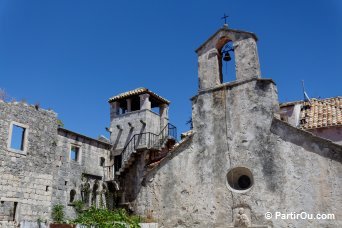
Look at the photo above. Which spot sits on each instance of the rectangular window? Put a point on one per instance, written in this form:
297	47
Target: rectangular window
102	161
18	137
74	153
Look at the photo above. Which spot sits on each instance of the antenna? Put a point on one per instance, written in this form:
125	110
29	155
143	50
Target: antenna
306	97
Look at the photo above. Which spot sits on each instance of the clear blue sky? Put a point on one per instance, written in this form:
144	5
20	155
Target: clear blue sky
72	56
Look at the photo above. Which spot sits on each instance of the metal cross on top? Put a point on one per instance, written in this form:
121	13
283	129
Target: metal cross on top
225	18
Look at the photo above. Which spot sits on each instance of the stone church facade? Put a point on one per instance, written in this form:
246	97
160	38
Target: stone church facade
247	155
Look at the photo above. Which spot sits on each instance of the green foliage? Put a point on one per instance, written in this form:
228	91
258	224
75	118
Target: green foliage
105	218
58	213
79	206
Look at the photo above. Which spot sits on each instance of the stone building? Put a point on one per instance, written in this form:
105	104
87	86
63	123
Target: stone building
245	156
51	166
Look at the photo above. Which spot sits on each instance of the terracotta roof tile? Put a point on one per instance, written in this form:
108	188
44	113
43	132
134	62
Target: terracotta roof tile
321	113
138	91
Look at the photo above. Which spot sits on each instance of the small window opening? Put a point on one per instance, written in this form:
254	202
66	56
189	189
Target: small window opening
135	106
18	138
122	111
102	161
74	153
72	195
65	182
47	188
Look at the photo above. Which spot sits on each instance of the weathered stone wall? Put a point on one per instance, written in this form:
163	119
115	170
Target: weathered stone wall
71	175
311	181
42	174
234	126
133	178
27	177
235	133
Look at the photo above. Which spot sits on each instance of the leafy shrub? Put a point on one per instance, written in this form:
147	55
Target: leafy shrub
58	213
79	206
105	218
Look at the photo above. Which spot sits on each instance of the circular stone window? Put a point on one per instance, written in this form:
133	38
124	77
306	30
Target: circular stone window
240	179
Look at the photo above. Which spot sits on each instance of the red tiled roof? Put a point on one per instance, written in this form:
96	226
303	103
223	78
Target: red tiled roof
138	91
321	113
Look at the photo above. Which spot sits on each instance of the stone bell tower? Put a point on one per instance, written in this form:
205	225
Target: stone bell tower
231	121
240	161
210	57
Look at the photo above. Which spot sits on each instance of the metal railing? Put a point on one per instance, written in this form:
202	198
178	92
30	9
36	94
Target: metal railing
138	141
145	140
169	131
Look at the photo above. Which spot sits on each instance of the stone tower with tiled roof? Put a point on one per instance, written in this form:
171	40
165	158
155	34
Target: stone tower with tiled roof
134	112
140	134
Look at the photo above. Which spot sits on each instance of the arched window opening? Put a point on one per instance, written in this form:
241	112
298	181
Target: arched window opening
94	194
72	195
227	62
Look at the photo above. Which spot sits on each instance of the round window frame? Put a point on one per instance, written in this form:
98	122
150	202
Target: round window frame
243	171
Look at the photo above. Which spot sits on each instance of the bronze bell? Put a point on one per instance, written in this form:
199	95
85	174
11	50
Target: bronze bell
226	57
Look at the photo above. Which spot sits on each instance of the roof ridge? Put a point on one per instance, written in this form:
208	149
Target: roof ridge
138	91
302	101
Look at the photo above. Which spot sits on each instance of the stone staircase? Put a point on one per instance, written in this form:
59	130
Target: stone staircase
155	143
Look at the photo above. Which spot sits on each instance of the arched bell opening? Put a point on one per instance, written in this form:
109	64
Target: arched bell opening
226	59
